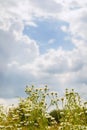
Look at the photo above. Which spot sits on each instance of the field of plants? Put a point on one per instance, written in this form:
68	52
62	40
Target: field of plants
34	112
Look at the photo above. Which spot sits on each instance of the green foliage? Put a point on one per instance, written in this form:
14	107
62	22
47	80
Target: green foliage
56	114
2	114
74	112
32	112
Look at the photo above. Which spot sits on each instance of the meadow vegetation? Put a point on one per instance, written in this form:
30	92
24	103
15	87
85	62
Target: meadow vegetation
33	112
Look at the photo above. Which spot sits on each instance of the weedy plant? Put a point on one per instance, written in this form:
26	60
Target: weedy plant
32	113
74	112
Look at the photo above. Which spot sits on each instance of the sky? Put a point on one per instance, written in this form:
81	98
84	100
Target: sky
42	43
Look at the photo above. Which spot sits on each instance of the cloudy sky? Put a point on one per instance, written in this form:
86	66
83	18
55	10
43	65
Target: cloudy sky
42	42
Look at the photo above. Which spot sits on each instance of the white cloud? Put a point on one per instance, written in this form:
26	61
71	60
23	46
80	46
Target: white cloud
64	28
77	20
7	103
21	61
17	46
51	41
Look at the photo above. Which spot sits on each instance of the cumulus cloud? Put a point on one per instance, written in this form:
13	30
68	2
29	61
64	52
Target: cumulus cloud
8	102
21	61
47	7
16	49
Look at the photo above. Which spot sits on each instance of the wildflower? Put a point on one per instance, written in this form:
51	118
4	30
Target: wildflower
62	99
27	114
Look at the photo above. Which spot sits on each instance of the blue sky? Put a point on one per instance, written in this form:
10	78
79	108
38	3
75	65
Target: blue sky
42	46
48	34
